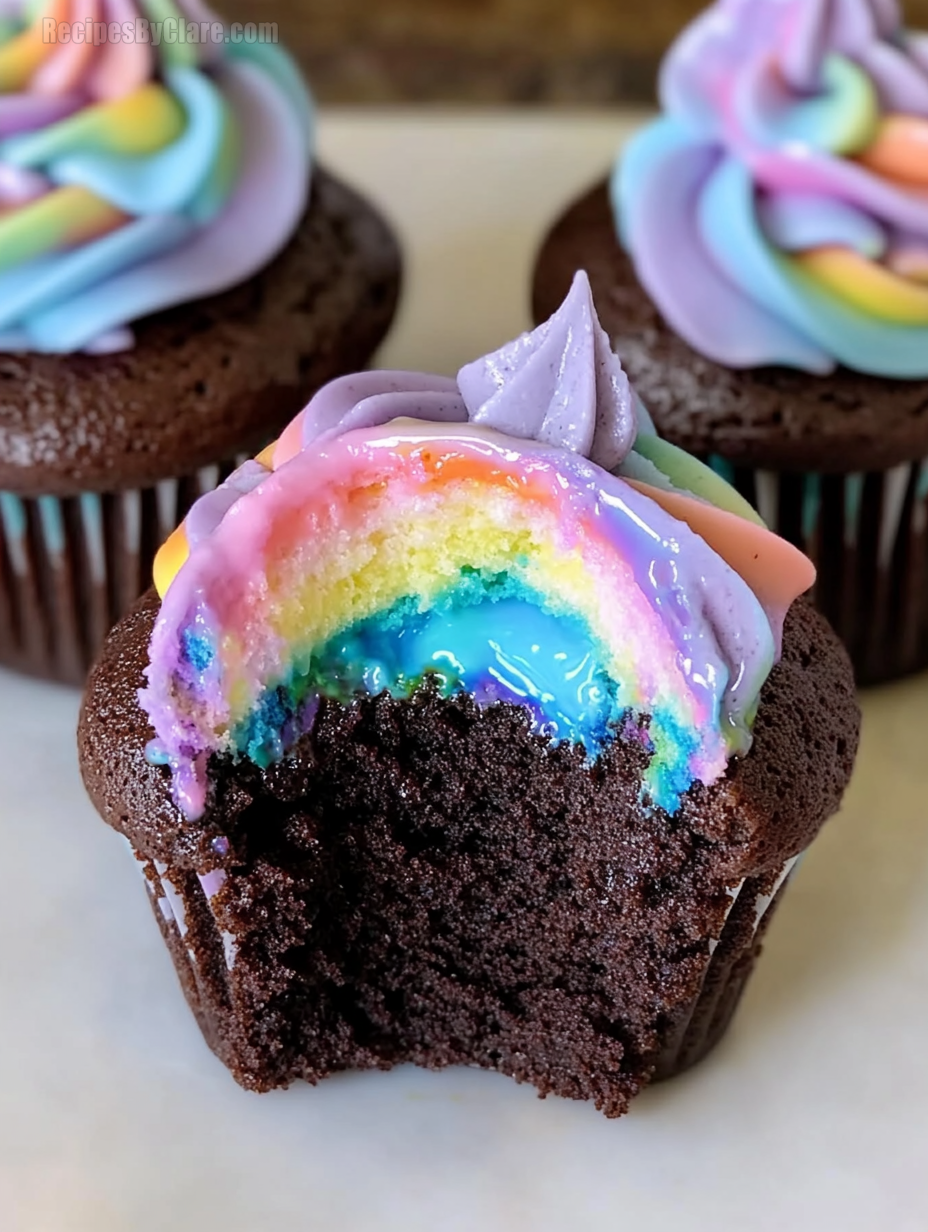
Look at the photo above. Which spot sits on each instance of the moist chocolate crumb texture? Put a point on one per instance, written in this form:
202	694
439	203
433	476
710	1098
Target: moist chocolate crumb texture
471	723
176	279
760	262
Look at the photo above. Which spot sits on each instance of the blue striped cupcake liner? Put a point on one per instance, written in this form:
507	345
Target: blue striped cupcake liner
867	533
70	567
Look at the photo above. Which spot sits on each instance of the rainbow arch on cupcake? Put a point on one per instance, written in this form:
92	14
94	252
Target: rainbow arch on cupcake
773	568
518	534
388	530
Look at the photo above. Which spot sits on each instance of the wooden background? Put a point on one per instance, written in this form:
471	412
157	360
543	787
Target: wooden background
561	51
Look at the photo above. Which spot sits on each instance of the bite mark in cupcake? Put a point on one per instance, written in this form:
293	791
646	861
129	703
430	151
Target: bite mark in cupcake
467	748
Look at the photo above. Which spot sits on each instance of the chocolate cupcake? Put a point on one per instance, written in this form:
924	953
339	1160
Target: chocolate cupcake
176	279
466	728
760	261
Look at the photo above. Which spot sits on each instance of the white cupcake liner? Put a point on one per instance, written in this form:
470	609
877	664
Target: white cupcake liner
70	567
867	533
703	1022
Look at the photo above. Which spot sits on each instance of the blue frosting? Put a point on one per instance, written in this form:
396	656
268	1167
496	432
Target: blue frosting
488	637
174	179
518	653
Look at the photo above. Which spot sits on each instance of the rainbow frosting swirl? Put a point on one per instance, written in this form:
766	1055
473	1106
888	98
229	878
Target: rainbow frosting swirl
134	177
778	211
408	527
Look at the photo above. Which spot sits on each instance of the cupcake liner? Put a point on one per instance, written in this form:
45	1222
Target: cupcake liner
188	908
203	950
70	567
700	1026
867	533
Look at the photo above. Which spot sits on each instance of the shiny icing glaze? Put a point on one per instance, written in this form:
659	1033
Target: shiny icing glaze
367	549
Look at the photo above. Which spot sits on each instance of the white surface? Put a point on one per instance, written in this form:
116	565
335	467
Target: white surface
114	1116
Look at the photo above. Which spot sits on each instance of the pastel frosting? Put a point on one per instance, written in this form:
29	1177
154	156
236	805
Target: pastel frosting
135	177
397	533
777	211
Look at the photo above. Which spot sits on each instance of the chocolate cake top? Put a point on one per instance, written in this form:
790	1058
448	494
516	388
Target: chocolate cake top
208	379
425	879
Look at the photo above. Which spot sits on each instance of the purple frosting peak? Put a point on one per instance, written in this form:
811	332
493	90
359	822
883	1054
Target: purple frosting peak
561	384
369	399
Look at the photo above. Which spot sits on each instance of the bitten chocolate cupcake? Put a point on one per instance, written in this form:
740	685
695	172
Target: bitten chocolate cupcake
760	261
466	728
176	279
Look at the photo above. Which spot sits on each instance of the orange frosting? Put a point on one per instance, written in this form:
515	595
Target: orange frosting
776	571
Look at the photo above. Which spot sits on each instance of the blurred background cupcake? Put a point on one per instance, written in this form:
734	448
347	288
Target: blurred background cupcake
760	260
176	278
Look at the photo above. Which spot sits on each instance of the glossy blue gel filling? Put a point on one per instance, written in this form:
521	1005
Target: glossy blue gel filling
489	637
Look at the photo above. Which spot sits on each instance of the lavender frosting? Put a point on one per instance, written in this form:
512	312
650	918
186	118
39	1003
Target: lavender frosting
561	384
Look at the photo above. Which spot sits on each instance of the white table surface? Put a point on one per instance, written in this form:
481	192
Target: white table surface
114	1116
